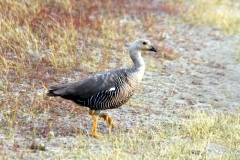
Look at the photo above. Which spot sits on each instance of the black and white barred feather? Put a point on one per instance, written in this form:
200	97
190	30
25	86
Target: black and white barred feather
124	88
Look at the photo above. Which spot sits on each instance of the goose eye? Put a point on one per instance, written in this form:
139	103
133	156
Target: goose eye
144	43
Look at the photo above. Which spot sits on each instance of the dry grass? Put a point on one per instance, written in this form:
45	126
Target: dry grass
43	41
200	136
222	14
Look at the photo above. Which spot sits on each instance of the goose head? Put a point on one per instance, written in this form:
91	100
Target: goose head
142	45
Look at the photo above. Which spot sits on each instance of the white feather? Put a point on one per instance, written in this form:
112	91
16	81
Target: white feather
112	89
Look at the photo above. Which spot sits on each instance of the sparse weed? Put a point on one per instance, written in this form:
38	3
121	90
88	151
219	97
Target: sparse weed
238	54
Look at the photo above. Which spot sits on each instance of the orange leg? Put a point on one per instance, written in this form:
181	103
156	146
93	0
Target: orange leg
108	120
95	123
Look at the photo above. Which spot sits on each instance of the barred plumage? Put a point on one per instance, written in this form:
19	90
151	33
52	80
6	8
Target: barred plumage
107	90
113	98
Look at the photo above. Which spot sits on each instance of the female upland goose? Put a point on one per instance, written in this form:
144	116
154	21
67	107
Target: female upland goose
106	90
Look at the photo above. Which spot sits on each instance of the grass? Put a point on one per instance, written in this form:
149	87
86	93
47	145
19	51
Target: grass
47	42
193	138
222	14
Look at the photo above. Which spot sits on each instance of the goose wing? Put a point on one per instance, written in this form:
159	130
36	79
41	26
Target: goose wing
87	87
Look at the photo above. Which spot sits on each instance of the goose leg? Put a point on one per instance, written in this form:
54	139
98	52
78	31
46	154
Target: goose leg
108	119
95	123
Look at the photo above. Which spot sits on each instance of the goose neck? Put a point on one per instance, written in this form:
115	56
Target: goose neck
137	60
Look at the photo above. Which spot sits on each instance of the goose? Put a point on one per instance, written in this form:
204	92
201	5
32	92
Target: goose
106	90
